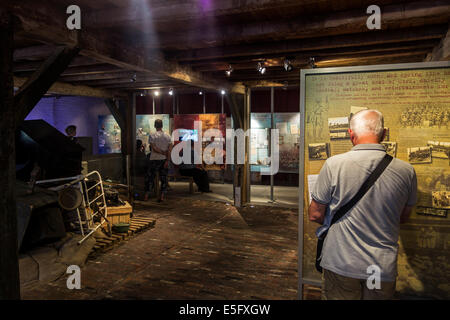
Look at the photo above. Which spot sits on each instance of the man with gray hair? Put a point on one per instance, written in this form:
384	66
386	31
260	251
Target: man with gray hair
366	237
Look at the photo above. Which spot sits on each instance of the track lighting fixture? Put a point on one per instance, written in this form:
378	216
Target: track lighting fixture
229	71
312	62
261	68
287	65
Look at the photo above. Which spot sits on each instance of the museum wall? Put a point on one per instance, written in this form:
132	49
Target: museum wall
62	111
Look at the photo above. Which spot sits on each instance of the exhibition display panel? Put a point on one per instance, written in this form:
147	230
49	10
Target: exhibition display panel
415	102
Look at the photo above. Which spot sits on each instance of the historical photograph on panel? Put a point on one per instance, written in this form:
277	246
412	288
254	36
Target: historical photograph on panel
386	136
355	109
419	155
391	147
439	149
338	124
339	135
429	115
433	212
441	199
318	151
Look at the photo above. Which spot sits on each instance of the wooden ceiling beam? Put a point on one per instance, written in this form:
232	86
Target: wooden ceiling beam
122	81
44	23
83	70
411	14
318	43
127	75
142	13
35	52
34	65
304	59
224	63
138	85
442	51
73	90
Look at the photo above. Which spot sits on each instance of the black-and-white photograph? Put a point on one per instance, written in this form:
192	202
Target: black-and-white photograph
441	199
419	155
318	151
391	147
339	135
439	149
432	212
338	124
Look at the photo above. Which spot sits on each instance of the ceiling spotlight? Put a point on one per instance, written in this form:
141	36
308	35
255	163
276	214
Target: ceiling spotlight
133	78
229	71
312	62
200	92
261	68
222	92
156	93
287	65
171	92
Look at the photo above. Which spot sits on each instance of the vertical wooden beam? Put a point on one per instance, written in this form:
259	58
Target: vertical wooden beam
42	79
246	170
9	265
240	110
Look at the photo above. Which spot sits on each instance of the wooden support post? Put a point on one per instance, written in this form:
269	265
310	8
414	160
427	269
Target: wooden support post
240	111
246	172
9	266
129	149
117	113
42	79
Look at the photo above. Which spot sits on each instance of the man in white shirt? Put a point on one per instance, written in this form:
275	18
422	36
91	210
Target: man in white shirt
161	147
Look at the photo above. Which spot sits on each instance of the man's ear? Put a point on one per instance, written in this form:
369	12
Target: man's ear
352	136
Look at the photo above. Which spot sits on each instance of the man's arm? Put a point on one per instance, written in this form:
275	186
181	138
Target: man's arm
156	149
317	211
405	214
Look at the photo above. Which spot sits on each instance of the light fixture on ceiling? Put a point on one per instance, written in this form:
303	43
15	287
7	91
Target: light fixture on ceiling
133	78
222	92
200	92
287	65
261	68
229	70
156	93
312	62
171	92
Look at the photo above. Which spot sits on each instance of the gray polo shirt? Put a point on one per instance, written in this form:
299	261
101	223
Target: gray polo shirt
368	233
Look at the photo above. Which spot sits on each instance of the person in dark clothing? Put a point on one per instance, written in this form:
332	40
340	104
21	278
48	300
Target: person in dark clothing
198	172
71	132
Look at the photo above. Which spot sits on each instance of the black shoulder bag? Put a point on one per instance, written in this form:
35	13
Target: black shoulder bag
345	208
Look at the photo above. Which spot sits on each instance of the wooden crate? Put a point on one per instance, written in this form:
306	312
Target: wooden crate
120	214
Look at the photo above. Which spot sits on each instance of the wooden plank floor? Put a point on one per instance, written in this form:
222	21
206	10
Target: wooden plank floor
196	250
137	225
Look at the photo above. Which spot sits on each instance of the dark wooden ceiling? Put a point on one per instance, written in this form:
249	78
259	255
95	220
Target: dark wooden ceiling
145	44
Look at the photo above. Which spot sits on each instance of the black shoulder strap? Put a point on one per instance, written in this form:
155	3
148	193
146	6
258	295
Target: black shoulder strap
364	188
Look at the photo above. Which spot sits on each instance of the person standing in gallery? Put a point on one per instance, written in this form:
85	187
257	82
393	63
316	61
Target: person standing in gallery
71	132
366	237
161	146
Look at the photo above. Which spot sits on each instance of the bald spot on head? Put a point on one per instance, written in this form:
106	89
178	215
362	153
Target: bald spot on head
367	124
